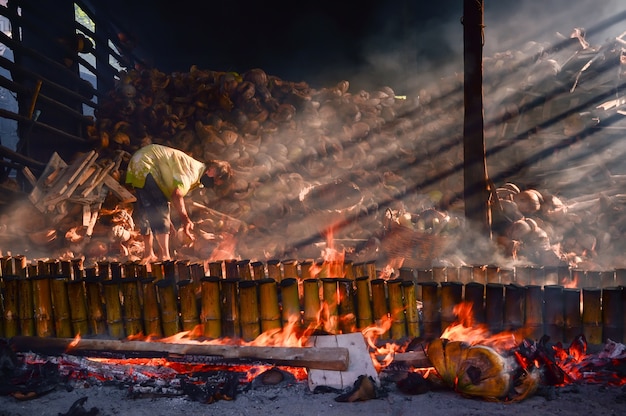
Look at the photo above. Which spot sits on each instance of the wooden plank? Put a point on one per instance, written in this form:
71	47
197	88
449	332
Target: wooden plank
331	358
70	179
39	190
123	194
360	362
102	173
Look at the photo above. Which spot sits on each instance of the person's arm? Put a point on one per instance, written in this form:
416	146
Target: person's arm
178	201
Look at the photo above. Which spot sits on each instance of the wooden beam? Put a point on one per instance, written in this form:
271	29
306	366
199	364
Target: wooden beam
326	358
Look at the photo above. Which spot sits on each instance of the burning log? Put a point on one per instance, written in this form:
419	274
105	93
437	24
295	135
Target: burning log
323	358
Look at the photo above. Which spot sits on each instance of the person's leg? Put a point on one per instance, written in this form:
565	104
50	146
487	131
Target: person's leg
142	207
158	214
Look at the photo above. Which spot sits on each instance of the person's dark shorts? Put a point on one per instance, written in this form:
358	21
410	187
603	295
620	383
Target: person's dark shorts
154	209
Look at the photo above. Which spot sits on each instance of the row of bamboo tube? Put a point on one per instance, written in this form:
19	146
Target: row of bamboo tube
240	299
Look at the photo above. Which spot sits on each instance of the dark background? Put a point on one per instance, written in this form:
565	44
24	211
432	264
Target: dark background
401	43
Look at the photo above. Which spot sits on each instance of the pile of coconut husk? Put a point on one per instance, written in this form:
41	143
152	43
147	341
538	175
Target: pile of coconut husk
313	163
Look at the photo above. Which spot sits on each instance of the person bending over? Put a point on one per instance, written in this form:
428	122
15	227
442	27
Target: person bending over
162	176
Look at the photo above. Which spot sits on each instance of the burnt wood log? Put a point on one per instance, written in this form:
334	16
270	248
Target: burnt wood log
327	358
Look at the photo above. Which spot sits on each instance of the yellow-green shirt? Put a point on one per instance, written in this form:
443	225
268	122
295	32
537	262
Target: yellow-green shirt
170	168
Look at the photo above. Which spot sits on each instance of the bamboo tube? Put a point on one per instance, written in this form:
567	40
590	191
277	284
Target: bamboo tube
32	270
439	274
65	268
170	270
348	269
258	270
150	308
215	269
564	276
359	270
431	310
423	275
347	311
406	274
269	306
249	310
494	307
26	307
507	275
230	309
78	301
115	268
331	305
554	321
129	271
364	305
620	277
131	306
189	313
612	314
533	315
607	278
290	269
77	268
95	308
479	274
290	301
321	268
230	267
104	270
168	303
243	270
21	266
273	270
11	316
571	314
522	275
197	273
537	276
593	279
592	315
183	270
305	269
396	309
114	320
210	308
42	298
578	278
465	274
492	274
380	310
409	289
91	272
550	276
451	295
6	266
312	303
513	307
370	268
452	274
624	312
475	295
156	270
52	268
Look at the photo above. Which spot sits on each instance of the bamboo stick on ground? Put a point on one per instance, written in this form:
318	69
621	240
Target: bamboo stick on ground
322	358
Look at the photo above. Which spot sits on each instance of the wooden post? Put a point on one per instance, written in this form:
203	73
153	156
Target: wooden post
476	191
